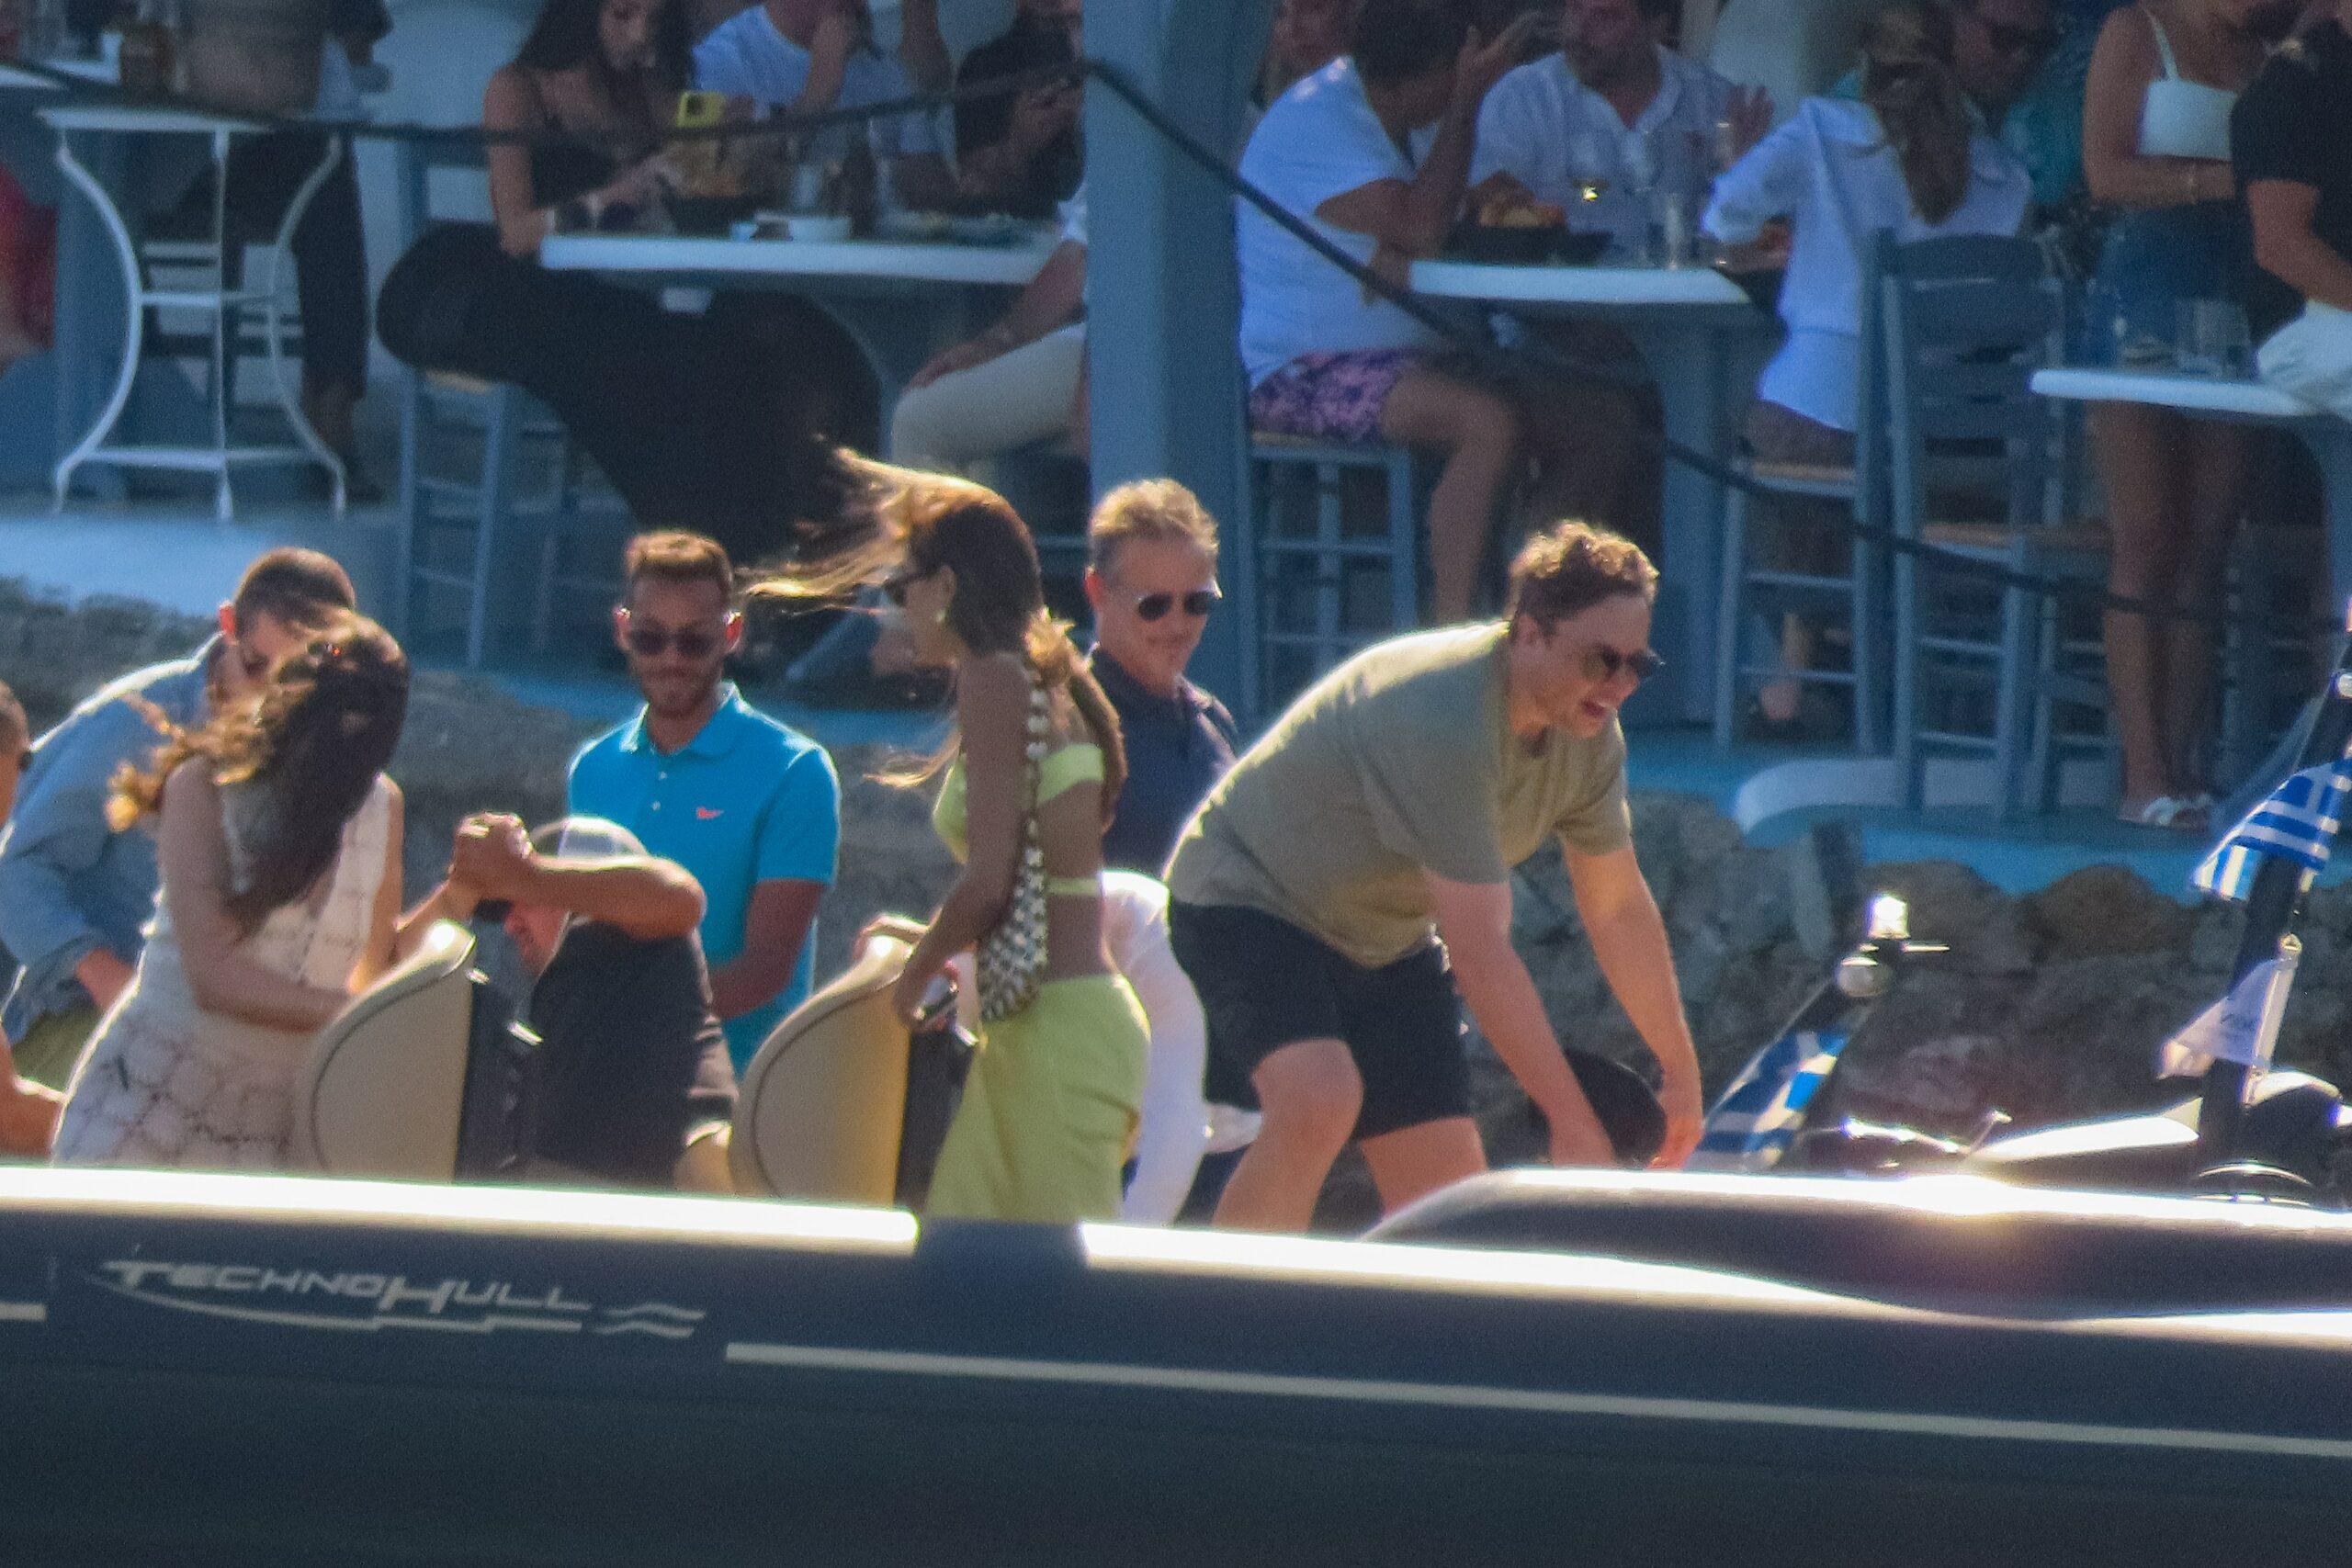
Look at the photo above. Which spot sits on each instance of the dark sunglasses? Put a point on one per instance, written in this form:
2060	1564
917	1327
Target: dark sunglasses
693	642
1197	603
2020	40
1602	662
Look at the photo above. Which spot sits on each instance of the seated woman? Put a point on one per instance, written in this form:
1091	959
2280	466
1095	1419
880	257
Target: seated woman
723	424
1054	1099
1906	158
278	838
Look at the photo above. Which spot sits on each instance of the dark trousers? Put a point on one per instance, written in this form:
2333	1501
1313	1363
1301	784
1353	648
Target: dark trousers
329	251
723	424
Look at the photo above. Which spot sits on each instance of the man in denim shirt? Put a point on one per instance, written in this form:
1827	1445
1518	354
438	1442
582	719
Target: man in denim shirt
75	896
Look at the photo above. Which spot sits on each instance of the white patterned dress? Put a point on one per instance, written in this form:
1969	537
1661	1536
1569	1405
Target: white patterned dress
166	1084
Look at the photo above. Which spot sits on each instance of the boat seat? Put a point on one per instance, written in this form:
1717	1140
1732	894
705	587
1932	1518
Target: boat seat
818	1115
423	1076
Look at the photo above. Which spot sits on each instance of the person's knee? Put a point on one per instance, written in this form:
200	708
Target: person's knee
1491	422
1311	1094
917	427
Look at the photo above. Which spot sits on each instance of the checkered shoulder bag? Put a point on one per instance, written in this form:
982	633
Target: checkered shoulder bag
1012	958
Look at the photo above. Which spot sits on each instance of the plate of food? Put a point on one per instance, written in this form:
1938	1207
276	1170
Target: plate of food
1514	229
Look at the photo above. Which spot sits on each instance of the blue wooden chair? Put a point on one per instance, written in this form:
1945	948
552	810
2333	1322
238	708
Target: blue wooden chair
1750	592
1964	323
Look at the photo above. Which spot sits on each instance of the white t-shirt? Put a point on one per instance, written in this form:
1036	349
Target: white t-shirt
1528	125
1829	170
746	56
1320	140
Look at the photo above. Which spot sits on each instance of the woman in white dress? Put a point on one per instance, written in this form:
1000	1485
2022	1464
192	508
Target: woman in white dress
280	842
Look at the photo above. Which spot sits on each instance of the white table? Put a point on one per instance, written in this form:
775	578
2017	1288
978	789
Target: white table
1689	324
2239	403
724	263
902	301
219	457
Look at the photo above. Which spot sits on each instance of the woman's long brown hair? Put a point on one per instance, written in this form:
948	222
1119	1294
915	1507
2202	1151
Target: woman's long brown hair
917	522
1907	80
313	740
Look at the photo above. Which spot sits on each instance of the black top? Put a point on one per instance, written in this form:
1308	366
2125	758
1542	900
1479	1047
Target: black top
1026	46
1177	748
634	1057
2295	124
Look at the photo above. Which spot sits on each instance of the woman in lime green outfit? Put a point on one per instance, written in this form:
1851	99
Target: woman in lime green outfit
1051	1105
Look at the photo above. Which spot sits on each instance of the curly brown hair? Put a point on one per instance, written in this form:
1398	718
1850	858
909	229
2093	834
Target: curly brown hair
1571	567
313	741
915	522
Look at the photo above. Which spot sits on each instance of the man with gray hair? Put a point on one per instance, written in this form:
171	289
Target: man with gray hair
636	1068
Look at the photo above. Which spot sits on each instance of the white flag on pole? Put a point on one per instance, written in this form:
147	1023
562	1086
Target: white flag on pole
2242	1027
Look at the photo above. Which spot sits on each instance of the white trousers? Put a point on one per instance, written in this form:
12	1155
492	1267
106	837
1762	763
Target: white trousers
1011	401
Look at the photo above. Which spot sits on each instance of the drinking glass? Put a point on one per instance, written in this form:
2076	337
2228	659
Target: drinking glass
2211	337
1671	230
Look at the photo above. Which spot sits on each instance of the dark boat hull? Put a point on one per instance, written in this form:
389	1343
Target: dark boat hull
241	1370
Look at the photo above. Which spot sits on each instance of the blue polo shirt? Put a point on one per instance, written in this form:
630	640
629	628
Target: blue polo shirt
748	800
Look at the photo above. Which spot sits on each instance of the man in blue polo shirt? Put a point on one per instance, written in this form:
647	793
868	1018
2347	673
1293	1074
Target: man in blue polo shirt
748	806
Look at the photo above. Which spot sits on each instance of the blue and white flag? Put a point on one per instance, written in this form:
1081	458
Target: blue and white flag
2298	822
1765	1108
2242	1027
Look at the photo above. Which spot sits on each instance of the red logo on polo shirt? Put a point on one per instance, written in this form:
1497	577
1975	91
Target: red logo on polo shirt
706	813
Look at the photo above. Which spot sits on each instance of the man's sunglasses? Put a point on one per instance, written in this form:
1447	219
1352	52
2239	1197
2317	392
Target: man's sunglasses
2036	41
1602	662
1197	603
692	642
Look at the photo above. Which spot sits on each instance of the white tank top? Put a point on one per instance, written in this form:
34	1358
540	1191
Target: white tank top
2181	118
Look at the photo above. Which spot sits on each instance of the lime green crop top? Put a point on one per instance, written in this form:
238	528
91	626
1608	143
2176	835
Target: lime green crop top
1079	763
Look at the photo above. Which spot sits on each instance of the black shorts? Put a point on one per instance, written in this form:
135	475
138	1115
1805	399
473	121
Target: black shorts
1265	984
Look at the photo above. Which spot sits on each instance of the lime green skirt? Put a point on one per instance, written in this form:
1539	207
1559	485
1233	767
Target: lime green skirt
1049	1109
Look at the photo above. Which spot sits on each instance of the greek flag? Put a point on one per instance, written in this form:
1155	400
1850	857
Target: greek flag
1762	1111
2299	822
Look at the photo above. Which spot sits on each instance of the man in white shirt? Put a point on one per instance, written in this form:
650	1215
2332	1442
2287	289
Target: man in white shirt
1611	120
1374	151
1604	127
812	56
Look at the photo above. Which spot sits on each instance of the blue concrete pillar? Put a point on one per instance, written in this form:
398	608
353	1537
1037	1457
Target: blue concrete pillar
1163	305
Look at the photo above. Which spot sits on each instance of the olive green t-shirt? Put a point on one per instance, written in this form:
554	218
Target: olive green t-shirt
1398	764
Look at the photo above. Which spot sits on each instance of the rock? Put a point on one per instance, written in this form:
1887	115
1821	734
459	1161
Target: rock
2102	911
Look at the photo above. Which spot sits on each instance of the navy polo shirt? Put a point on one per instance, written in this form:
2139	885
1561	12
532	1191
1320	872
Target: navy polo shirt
748	800
1177	748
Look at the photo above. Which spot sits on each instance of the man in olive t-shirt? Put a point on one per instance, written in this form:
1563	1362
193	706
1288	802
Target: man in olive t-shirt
1354	869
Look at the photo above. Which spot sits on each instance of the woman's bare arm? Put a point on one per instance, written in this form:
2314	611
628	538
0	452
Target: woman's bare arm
2124	63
